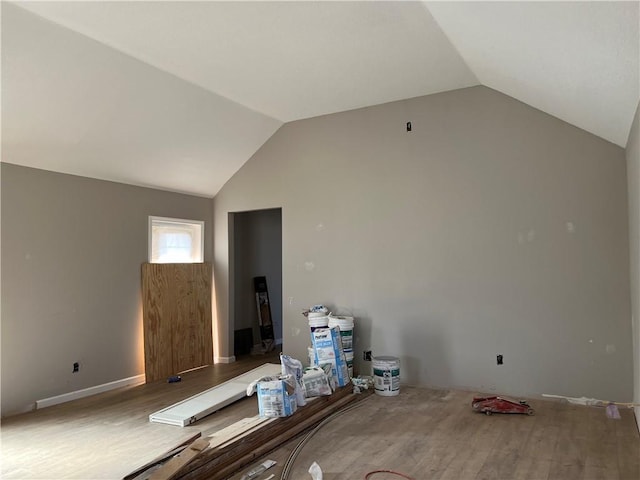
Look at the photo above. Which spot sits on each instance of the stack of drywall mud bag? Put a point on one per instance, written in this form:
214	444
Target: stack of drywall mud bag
327	328
330	366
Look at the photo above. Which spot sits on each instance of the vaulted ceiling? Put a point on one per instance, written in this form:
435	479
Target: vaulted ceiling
178	95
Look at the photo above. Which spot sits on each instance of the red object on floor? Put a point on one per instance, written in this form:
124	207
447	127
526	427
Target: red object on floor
491	405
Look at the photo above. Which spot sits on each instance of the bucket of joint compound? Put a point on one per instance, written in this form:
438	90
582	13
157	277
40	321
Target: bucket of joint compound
312	356
318	320
349	357
345	324
386	376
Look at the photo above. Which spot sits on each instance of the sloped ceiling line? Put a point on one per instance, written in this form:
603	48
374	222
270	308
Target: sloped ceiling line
230	73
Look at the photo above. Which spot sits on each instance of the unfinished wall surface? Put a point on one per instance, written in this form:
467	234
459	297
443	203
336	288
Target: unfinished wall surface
633	177
72	250
258	252
490	228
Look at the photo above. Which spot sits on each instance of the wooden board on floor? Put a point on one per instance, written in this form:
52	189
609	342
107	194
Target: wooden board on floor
220	462
176	318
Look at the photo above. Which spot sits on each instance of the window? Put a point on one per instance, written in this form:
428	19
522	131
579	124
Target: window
173	240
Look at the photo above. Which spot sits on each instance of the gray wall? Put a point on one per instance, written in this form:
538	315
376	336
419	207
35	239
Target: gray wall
72	248
492	228
633	176
257	252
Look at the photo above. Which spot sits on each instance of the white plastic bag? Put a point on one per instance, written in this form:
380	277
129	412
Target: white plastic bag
293	367
316	382
315	471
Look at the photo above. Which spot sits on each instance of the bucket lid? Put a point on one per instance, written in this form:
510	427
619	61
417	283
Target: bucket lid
318	322
343	325
341	317
385	359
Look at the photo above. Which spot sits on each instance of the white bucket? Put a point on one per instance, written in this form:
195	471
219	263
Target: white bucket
345	324
349	357
386	376
312	356
318	320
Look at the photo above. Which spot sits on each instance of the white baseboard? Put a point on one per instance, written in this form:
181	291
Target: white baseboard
278	341
230	359
105	387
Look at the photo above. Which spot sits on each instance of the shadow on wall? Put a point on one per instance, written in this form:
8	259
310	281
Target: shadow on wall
361	342
427	338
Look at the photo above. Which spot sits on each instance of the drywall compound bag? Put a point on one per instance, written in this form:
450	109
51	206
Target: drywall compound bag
293	367
316	382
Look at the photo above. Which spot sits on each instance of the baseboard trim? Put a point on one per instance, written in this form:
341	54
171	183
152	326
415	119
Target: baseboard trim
86	392
230	359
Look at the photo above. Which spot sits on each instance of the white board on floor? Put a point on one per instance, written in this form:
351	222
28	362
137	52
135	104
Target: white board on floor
198	406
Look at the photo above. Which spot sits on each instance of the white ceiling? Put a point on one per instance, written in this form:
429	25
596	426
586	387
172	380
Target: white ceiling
178	95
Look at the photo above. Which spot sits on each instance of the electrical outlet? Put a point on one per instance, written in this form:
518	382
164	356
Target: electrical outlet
366	355
499	360
76	367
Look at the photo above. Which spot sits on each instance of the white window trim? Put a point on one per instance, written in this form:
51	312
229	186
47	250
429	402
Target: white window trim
178	221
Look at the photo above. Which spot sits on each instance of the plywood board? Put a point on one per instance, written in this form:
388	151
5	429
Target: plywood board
177	318
198	406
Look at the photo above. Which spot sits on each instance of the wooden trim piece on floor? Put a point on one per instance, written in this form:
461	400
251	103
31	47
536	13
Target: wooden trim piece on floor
170	469
233	431
164	457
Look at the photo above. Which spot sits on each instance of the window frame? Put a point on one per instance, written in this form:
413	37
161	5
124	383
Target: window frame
177	221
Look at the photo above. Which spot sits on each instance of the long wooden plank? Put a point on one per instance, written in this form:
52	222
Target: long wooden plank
260	447
164	457
249	431
232	431
173	466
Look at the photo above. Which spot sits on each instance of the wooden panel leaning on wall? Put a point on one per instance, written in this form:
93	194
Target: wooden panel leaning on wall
176	306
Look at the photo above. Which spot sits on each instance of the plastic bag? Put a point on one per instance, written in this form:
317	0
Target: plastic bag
316	382
315	471
293	367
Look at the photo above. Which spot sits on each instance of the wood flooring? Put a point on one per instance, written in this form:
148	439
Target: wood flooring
434	434
423	433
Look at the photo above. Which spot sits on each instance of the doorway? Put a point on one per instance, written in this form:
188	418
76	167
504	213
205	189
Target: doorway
256	250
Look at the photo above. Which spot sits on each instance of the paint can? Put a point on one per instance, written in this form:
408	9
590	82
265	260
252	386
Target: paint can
386	376
349	357
318	320
345	324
